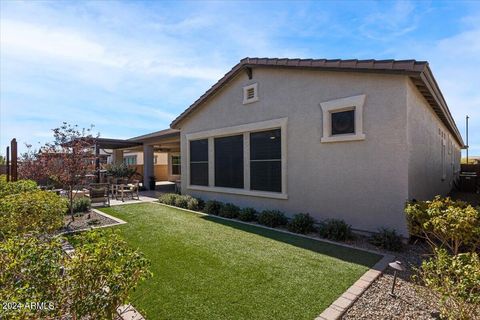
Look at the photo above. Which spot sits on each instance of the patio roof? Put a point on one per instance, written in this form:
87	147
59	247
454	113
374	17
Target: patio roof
107	143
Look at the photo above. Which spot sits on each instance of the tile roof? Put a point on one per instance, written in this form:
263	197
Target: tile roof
418	71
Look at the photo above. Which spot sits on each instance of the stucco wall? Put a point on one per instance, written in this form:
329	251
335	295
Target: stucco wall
426	174
363	182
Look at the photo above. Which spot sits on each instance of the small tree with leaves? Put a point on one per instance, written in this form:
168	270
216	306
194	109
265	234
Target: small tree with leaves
66	160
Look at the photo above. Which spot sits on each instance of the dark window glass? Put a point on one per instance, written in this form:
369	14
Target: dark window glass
343	122
266	161
199	150
229	162
198	162
176	165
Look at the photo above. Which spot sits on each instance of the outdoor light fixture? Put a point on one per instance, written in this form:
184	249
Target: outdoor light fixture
396	266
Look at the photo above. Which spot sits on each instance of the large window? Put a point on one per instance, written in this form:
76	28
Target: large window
248	159
199	162
266	161
176	165
229	162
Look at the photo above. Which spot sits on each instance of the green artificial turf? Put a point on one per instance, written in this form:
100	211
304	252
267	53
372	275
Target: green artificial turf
209	268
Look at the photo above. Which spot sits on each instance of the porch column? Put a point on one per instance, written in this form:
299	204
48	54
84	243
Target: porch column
147	164
117	156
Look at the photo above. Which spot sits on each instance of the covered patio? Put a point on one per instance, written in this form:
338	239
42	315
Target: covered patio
165	143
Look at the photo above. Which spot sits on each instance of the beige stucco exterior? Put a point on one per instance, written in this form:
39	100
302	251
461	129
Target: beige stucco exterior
365	182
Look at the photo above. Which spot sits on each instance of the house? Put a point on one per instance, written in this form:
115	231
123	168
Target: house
344	139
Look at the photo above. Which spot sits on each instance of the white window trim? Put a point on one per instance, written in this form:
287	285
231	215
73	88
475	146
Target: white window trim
245	93
245	129
344	104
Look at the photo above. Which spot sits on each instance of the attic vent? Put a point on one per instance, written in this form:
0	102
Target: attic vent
250	93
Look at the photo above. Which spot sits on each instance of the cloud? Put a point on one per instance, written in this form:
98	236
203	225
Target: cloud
390	22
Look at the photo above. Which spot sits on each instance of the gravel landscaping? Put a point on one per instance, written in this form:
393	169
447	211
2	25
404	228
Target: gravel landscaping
85	221
410	303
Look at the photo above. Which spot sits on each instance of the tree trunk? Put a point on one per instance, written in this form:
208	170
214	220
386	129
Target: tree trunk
71	203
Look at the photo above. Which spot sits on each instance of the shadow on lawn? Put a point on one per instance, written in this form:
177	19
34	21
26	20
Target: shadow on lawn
336	251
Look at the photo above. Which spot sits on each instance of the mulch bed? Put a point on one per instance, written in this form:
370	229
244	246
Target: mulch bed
85	221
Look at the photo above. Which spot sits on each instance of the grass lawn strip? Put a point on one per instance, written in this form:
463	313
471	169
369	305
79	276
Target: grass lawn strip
205	267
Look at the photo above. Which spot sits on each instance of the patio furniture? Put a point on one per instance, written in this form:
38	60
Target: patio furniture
124	190
98	193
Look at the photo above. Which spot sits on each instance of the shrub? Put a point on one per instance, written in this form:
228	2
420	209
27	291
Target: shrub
34	211
106	256
335	229
168	198
181	201
81	205
193	204
213	207
8	188
387	239
229	210
100	275
201	204
247	214
444	222
455	280
272	218
30	270
301	223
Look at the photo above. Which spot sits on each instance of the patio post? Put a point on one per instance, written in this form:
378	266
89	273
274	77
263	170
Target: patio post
147	164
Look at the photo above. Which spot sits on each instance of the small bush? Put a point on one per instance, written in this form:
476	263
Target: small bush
387	239
81	205
181	201
193	204
455	280
8	188
301	223
229	210
201	204
247	214
335	229
33	211
272	218
168	198
213	207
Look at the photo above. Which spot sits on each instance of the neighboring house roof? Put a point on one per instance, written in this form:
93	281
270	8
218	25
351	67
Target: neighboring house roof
418	71
166	133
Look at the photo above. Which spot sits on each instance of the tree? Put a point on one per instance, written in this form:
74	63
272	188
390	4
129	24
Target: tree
66	160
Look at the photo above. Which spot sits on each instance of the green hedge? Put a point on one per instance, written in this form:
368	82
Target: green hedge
8	188
34	211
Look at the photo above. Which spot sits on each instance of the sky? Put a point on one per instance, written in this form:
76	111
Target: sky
130	68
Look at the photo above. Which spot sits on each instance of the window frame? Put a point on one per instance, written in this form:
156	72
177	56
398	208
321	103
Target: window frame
179	165
134	156
208	161
355	103
245	129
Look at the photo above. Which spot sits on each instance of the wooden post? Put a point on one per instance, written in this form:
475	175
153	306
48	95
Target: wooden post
97	162
8	164
14	173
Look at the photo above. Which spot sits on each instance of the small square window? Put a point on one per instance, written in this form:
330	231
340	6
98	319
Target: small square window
343	122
